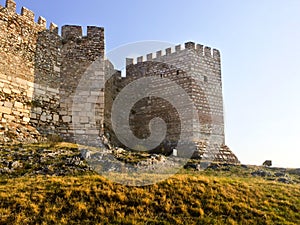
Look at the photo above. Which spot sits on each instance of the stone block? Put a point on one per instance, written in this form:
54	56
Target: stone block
19	105
6	91
33	115
25	111
16	91
9	117
45	99
92	99
3	78
56	91
92	132
84	93
15	113
5	110
55	118
29	93
30	85
79	131
21	82
38	110
8	104
66	119
63	113
26	119
84	119
43	117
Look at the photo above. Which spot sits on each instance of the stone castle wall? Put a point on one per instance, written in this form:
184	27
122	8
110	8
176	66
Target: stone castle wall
27	95
78	53
42	84
197	70
40	70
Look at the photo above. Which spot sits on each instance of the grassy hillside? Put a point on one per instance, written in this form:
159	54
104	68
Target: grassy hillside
230	196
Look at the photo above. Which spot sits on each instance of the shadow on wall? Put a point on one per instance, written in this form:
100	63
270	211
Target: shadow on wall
60	63
45	111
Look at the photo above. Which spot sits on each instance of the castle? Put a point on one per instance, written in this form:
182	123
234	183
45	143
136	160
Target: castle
40	72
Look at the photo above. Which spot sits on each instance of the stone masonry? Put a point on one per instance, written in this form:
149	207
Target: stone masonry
40	72
197	70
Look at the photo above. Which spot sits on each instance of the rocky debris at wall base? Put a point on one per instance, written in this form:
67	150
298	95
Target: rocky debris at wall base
13	133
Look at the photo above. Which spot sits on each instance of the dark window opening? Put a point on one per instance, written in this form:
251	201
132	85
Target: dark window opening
205	79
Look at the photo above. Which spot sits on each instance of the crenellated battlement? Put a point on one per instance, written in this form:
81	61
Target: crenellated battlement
68	32
95	32
72	32
11	6
27	15
200	50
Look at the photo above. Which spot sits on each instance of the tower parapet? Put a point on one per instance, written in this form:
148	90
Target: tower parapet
95	33
200	50
26	16
78	53
11	6
69	32
73	32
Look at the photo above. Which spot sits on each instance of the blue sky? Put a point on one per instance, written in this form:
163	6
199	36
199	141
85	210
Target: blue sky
259	43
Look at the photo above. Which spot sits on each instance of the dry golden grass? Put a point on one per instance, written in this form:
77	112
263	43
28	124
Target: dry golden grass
182	199
208	197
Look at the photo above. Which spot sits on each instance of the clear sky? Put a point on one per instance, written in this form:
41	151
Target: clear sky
259	43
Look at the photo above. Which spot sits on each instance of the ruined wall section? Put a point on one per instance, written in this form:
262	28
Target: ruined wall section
24	97
78	54
197	70
45	112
